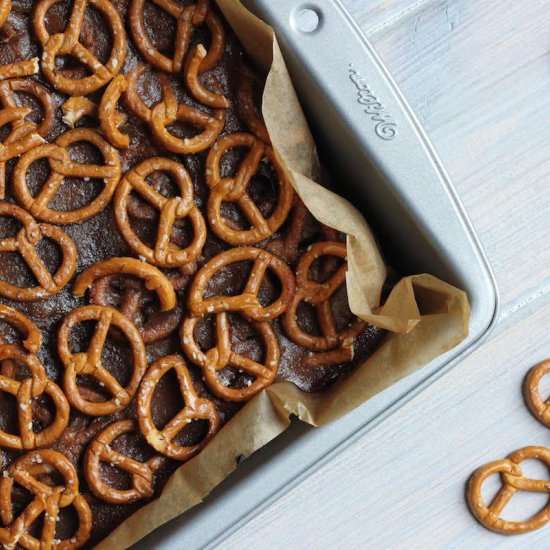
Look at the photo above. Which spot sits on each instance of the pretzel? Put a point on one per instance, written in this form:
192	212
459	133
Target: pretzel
513	481
535	402
165	253
196	408
336	345
62	166
134	294
25	134
248	110
154	278
187	17
67	44
25	391
108	115
248	302
5	10
198	90
19	69
167	111
32	335
48	500
89	362
234	189
25	243
221	356
140	473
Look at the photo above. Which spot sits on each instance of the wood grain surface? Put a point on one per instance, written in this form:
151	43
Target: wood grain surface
477	74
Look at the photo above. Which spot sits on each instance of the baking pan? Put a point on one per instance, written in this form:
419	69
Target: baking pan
378	155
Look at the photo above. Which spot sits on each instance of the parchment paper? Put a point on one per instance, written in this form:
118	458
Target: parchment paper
424	315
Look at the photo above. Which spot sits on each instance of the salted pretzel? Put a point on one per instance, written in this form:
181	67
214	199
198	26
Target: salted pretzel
513	481
5	10
158	326
167	111
109	118
334	346
187	18
24	134
538	406
248	109
68	44
19	69
47	503
201	93
90	363
25	243
247	302
235	189
61	167
140	473
196	408
165	253
154	279
32	337
222	355
25	391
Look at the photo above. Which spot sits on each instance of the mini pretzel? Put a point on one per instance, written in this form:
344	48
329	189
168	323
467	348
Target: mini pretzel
154	279
24	135
108	114
165	253
47	502
63	166
25	391
221	356
196	408
187	17
89	362
20	69
5	10
535	402
31	333
248	110
513	481
247	302
25	243
167	111
198	90
336	345
140	473
67	43
234	189
158	327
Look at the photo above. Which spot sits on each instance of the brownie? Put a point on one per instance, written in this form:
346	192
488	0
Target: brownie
98	239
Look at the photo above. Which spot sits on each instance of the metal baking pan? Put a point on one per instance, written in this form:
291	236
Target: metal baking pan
380	156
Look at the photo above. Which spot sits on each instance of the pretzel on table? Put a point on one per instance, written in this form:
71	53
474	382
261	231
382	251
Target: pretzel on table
513	479
196	408
32	337
25	242
67	43
235	189
49	498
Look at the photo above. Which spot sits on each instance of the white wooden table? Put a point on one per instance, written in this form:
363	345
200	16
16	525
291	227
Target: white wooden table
477	74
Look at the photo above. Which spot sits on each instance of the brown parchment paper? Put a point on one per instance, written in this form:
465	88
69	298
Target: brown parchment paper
424	316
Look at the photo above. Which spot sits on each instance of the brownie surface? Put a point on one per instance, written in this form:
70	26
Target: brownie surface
98	239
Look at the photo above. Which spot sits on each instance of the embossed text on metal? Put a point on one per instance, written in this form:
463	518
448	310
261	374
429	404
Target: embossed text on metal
385	127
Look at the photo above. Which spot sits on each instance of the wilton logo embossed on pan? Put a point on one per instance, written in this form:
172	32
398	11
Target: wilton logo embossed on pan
385	126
